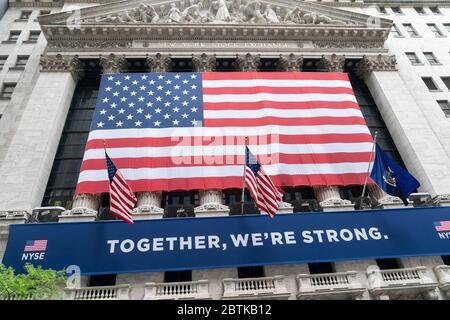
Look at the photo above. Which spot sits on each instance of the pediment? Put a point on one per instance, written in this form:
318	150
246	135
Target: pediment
220	12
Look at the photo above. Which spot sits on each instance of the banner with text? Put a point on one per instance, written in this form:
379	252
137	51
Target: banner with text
105	247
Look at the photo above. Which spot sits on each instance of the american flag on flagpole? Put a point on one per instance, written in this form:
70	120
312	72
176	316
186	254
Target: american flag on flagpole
186	131
266	195
122	199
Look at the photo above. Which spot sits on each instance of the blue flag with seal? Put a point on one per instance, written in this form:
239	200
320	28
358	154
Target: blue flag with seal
391	177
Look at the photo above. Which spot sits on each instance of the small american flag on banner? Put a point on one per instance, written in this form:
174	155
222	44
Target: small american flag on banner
122	198
442	226
35	246
186	131
266	195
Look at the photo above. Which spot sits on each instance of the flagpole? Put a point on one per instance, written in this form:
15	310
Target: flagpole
243	176
370	161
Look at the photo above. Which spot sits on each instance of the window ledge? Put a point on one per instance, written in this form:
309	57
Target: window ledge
438	90
16	68
30	41
5	98
435	64
9	41
417	64
416	36
21	20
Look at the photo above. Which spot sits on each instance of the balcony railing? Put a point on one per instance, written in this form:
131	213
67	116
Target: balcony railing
177	290
270	287
339	285
443	275
120	292
400	282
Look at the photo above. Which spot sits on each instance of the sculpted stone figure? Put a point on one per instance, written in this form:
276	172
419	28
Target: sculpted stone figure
253	13
174	14
222	13
270	15
294	16
191	13
148	14
314	18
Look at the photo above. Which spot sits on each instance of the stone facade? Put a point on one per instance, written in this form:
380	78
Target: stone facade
329	35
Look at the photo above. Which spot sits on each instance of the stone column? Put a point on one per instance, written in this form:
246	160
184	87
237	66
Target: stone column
211	201
85	206
329	197
290	63
386	200
27	164
408	126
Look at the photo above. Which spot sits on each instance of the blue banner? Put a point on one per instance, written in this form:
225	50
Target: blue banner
197	243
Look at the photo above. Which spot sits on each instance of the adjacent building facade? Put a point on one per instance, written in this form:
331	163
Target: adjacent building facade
397	55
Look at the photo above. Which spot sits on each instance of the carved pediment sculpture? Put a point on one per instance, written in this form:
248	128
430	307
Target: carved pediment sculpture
217	11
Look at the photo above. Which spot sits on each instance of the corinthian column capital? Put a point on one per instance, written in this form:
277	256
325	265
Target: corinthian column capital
60	63
112	63
331	63
376	63
290	63
247	63
204	62
159	63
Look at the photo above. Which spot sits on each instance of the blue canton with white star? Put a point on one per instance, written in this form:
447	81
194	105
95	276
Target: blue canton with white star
251	162
149	100
111	168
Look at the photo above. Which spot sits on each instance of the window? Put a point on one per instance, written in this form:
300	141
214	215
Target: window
43	12
3	60
321	267
250	272
447	26
382	10
435	10
25	15
420	10
14	36
21	61
435	30
411	31
413	58
445	106
446	81
389	263
431	58
396	32
397	10
7	90
34	35
430	83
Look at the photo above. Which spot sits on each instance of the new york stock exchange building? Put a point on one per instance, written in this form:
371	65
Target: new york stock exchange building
206	242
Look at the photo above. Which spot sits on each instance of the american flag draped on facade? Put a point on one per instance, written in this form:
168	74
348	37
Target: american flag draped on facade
186	131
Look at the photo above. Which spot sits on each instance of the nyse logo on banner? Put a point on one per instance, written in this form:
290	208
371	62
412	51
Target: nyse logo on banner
34	250
443	229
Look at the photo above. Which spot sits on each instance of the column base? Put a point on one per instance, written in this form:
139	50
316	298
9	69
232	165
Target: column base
146	212
391	202
13	217
212	210
337	205
443	200
78	215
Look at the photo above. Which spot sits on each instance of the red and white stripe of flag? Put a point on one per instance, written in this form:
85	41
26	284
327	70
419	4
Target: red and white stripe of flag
122	198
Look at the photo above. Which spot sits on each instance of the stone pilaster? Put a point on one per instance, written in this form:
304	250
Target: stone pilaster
26	167
247	63
290	63
112	63
211	204
159	63
204	62
84	208
148	206
368	64
331	63
330	199
386	200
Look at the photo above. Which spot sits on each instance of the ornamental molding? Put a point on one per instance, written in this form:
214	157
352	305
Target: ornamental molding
113	63
331	63
60	63
247	63
380	62
120	24
159	63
